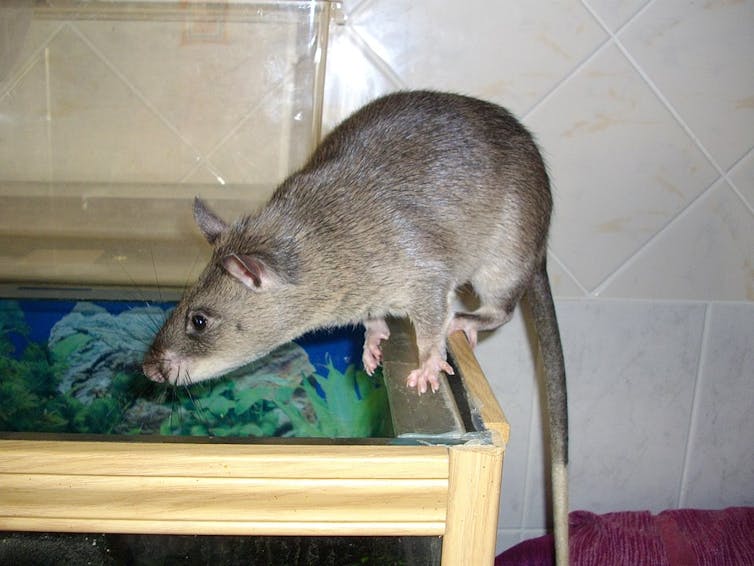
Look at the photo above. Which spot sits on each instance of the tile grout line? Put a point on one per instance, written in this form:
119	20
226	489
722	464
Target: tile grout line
136	92
357	7
733	184
629	20
663	300
722	175
610	38
568	272
556	87
48	122
373	57
694	413
549	94
636	254
669	107
199	156
206	160
25	68
529	455
248	115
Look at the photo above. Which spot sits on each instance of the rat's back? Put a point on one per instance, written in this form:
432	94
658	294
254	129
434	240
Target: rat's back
451	179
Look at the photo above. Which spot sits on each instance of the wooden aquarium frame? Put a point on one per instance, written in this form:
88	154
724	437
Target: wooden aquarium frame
191	487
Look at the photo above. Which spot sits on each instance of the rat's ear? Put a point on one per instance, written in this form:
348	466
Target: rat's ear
252	271
209	223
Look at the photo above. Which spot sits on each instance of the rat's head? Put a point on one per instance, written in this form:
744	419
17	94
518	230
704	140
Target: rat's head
238	310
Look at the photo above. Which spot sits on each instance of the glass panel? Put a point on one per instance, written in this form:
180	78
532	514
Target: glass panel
114	115
99	549
75	367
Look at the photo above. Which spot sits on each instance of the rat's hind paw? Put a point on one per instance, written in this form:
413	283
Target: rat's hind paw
372	357
376	332
466	325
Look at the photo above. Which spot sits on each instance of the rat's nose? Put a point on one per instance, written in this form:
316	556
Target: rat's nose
163	366
153	371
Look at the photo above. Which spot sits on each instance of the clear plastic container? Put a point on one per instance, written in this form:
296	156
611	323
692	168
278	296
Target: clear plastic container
114	115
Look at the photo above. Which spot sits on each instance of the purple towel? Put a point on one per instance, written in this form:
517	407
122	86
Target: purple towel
682	537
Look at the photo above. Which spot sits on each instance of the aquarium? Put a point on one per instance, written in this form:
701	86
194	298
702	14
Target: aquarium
114	115
75	367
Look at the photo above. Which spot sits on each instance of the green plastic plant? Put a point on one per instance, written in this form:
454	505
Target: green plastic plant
350	404
334	404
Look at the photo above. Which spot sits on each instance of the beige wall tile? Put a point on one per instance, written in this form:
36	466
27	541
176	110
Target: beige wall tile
719	463
512	53
202	85
699	54
24	128
101	130
562	283
621	166
258	152
707	254
632	369
355	75
24	38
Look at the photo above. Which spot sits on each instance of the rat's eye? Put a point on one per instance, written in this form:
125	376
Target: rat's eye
198	322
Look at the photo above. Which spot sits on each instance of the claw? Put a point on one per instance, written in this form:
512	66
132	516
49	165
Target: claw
376	332
429	374
371	358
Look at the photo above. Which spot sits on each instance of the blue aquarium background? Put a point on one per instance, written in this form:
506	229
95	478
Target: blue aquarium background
75	367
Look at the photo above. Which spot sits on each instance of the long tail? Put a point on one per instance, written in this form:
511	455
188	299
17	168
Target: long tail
546	322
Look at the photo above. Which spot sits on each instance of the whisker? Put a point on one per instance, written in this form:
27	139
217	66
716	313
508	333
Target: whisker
163	393
137	290
191	271
174	401
156	278
135	287
137	390
153	323
195	402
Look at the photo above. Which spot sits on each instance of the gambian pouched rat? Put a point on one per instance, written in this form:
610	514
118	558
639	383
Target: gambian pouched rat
411	197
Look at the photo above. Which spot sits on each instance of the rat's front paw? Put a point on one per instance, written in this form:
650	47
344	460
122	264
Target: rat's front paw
428	374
